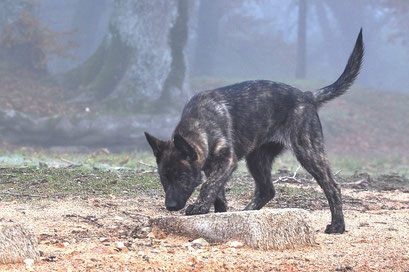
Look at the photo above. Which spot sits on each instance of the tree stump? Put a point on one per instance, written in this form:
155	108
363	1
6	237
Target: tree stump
17	243
264	229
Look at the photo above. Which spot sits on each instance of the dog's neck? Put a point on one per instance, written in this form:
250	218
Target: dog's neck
199	142
202	153
193	132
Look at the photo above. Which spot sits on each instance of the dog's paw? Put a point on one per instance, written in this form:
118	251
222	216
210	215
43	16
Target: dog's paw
197	209
220	206
335	228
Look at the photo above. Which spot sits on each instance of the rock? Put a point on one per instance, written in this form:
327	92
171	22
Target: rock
150	236
188	246
140	233
29	261
96	250
17	243
103	239
121	246
158	233
265	229
236	244
200	242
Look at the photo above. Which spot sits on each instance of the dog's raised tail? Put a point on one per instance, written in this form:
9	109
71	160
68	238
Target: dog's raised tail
347	78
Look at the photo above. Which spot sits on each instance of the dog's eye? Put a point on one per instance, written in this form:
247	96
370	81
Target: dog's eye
169	177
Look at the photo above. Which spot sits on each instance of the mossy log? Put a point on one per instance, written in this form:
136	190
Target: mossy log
264	229
17	243
112	132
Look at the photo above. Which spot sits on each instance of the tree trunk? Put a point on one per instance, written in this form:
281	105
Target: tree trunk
141	60
86	24
301	40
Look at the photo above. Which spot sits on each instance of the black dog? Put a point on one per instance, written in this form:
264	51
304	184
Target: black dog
256	120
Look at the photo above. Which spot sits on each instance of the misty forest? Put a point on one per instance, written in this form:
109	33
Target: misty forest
82	80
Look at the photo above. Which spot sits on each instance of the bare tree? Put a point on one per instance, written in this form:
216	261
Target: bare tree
141	61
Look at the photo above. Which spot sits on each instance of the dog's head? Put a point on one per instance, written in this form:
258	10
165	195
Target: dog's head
178	168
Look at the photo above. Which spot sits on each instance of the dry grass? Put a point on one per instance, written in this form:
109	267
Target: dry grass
17	243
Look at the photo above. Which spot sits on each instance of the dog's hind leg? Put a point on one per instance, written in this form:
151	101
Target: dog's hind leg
259	163
308	147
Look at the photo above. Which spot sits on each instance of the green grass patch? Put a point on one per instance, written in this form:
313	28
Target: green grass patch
351	165
125	174
293	191
101	159
31	182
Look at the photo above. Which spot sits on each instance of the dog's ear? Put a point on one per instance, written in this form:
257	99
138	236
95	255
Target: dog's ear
184	148
156	144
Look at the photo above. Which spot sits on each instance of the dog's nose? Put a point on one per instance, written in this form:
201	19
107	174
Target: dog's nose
171	205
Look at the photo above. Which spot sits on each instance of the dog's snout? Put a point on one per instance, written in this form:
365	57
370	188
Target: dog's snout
171	205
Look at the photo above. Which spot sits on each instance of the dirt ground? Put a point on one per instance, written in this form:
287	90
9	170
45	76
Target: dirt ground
111	234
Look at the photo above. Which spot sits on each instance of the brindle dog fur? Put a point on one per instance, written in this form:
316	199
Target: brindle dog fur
256	120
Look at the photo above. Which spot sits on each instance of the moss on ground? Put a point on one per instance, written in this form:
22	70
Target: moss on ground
34	183
129	174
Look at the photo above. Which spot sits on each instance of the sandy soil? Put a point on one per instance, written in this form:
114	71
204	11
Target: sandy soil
99	234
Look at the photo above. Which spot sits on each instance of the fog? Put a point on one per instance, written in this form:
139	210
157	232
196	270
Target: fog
257	39
120	67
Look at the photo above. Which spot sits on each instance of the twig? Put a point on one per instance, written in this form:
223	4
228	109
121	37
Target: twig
136	215
134	170
295	172
71	164
148	165
89	219
339	171
147	172
355	182
288	178
23	195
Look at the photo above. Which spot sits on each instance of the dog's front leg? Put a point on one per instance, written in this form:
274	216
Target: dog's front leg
220	204
220	172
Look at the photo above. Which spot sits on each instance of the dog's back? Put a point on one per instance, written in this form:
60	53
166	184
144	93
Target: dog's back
250	112
255	112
